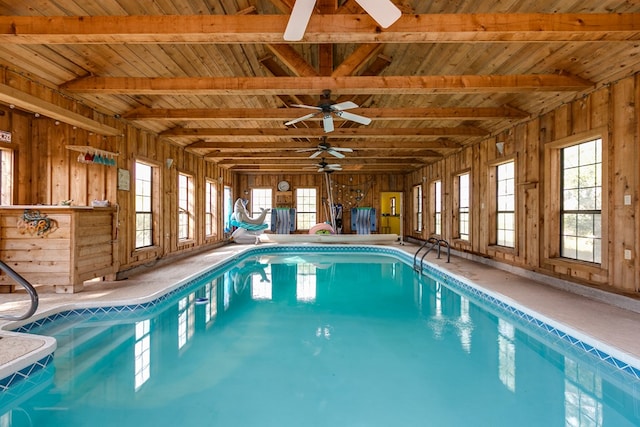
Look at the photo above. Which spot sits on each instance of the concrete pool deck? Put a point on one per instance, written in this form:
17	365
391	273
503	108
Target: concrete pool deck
610	319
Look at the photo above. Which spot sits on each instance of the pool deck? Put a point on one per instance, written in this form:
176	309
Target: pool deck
610	319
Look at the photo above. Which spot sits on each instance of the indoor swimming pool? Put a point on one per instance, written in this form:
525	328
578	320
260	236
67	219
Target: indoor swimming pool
319	337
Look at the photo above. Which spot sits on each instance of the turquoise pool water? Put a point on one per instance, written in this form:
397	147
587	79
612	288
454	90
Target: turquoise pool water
317	339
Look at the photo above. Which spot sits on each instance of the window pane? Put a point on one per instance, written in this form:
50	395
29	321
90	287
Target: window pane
185	206
437	202
417	208
306	203
261	199
463	206
505	204
143	198
582	201
210	207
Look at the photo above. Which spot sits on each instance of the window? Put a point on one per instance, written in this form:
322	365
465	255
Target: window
581	201
144	205
261	199
505	205
228	207
463	206
142	353
210	208
417	208
185	207
186	320
6	177
306	206
437	207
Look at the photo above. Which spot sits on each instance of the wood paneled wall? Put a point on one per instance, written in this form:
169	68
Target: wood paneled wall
613	110
350	190
47	172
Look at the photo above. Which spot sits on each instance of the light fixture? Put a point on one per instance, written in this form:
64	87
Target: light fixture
500	147
12	106
37	114
169	163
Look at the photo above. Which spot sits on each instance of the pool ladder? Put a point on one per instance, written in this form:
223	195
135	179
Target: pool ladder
429	244
30	290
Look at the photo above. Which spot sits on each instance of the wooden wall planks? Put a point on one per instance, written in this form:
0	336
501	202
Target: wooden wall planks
615	109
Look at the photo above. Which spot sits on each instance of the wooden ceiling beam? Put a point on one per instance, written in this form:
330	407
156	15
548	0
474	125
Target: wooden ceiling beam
356	85
284	114
293	60
261	133
355	156
328	28
343	162
357	60
28	102
439	144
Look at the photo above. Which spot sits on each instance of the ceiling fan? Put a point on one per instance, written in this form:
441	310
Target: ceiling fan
325	147
323	166
327	107
384	12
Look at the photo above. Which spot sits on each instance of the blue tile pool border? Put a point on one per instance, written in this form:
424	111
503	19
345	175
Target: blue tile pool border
465	286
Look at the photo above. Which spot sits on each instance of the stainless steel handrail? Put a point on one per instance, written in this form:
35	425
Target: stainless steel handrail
30	290
434	242
431	240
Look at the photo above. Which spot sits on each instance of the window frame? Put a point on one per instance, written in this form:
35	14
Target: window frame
418	208
255	210
7	175
154	202
314	214
210	208
553	196
186	207
494	212
458	208
435	207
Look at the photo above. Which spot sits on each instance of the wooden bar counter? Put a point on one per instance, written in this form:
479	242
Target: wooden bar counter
62	246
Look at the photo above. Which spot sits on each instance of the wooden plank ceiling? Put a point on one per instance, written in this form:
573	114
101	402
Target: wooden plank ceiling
216	77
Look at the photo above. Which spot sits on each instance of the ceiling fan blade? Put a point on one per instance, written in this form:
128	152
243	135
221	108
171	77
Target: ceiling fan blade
345	150
299	119
353	117
384	12
327	123
344	105
312	107
316	154
299	20
334	153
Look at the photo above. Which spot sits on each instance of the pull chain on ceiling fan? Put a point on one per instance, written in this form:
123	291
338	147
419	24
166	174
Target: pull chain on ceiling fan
384	12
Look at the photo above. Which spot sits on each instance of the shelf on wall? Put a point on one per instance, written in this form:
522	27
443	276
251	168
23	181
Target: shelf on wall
91	150
94	155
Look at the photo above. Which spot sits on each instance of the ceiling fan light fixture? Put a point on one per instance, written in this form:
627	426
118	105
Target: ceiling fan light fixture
299	20
384	12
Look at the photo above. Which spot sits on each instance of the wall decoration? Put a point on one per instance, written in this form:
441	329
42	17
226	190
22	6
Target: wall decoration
123	179
33	222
